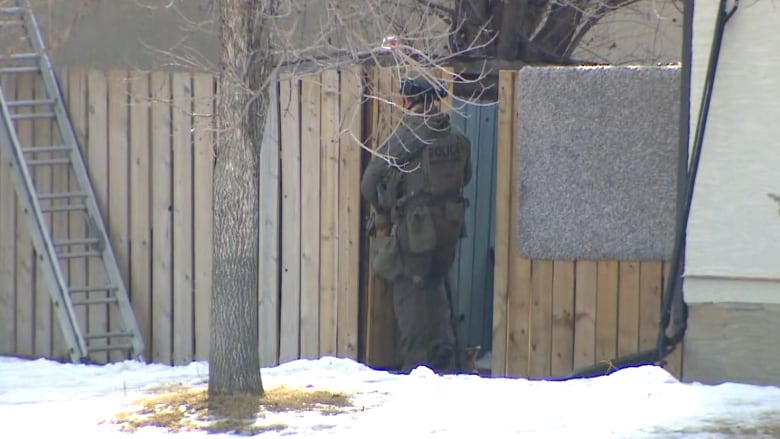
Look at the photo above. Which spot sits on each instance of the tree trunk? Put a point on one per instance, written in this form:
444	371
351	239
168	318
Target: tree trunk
245	65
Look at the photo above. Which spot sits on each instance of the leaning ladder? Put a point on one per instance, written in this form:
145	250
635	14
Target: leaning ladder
27	56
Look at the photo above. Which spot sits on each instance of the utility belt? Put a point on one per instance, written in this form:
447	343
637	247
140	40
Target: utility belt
453	206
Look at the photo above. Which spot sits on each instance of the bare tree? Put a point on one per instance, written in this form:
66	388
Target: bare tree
247	62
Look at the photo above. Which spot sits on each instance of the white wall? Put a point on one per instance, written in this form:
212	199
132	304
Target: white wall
733	250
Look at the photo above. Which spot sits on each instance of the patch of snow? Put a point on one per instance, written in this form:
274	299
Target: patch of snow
40	398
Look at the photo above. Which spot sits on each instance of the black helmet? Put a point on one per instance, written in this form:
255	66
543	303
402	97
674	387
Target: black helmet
416	86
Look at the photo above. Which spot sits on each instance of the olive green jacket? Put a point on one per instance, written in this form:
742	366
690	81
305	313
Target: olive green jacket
414	133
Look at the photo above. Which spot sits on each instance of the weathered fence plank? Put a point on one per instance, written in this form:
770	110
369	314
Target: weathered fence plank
42	129
269	235
504	177
541	318
77	108
349	212
60	226
140	283
562	349
650	286
162	276
8	206
381	342
118	184
329	238
25	282
607	310
628	308
97	163
310	216
289	343
203	168
586	290
183	288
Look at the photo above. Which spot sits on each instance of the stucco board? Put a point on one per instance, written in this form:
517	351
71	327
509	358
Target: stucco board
597	162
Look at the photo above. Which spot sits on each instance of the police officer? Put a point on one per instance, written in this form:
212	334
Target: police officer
415	185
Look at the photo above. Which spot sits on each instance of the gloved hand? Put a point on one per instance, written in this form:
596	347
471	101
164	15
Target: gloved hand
381	222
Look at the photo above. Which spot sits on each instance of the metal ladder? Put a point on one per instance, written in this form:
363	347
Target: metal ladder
27	56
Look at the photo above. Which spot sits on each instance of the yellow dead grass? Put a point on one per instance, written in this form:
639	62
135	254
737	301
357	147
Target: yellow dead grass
181	408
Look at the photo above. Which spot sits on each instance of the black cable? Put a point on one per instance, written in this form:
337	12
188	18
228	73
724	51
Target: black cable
664	343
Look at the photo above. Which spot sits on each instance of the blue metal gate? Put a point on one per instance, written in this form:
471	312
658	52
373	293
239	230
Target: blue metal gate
472	273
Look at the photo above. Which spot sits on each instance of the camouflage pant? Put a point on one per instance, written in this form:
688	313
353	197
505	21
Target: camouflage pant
423	317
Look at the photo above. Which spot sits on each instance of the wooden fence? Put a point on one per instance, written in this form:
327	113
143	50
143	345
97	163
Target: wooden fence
148	145
149	148
550	317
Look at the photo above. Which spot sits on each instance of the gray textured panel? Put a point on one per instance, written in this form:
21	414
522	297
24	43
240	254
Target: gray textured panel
597	162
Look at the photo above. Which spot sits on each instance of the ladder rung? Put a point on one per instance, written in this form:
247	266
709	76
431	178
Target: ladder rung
64	208
73	255
9	23
23	116
99	301
109	334
30	103
69	242
20	57
12	11
46	162
56	195
34	149
26	69
111	347
105	288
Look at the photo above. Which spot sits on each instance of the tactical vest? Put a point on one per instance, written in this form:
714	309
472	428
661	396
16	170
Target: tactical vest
439	169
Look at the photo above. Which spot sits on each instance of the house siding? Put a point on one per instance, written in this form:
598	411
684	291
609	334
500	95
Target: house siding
733	248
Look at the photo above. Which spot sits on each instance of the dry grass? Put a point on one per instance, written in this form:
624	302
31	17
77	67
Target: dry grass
181	408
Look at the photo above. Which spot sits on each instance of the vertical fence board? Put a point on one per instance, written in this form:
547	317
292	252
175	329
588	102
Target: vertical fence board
562	360
183	307
269	235
59	177
606	310
203	168
25	276
541	318
503	252
162	281
585	313
381	339
329	242
520	280
118	185
310	216
349	213
77	108
650	278
291	220
7	261
97	159
674	362
140	196
42	129
628	308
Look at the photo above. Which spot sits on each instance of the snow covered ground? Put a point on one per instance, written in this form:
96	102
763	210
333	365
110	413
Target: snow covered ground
40	399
